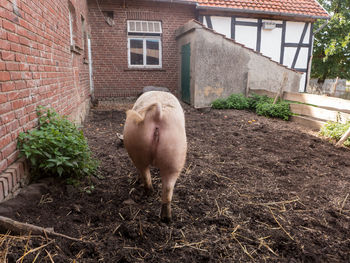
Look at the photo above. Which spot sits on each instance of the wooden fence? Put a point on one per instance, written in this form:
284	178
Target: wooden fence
313	110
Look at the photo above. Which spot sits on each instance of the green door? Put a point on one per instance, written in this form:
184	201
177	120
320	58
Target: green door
185	73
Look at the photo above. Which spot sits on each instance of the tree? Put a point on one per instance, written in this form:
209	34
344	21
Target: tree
331	56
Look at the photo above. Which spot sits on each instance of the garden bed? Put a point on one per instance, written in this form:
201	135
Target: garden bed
253	189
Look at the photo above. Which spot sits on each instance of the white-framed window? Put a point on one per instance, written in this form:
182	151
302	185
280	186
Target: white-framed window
144	44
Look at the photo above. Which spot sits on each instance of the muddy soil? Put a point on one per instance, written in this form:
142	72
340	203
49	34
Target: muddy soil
253	190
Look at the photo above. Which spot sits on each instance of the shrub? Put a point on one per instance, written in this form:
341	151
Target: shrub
335	131
234	101
56	148
263	105
255	99
219	104
278	110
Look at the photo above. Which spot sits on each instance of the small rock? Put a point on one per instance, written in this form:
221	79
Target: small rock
129	202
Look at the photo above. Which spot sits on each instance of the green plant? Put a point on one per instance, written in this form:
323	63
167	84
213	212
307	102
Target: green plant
262	105
56	148
278	110
234	101
255	99
219	104
335	131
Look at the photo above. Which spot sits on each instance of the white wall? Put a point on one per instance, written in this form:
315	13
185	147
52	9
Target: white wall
271	41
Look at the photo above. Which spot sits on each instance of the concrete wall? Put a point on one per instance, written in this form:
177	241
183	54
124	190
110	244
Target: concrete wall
38	66
326	87
279	43
219	66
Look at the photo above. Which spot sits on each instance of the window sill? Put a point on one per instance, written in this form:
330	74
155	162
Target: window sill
145	69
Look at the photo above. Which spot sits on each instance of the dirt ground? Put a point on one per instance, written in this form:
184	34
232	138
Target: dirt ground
253	190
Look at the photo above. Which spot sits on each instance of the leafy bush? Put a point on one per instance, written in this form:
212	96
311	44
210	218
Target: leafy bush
263	105
255	99
234	101
56	148
278	110
335	131
219	104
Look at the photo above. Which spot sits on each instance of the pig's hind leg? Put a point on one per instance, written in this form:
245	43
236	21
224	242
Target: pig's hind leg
145	178
168	183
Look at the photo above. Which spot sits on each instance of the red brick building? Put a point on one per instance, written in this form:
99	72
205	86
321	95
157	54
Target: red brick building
114	76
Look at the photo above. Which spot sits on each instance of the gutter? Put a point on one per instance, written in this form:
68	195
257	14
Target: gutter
190	2
259	12
250	11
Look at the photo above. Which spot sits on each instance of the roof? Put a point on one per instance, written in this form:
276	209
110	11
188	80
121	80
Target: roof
295	8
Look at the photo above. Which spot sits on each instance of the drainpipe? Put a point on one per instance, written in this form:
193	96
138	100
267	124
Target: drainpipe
321	27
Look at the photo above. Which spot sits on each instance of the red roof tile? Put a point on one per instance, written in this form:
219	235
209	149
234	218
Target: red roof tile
307	8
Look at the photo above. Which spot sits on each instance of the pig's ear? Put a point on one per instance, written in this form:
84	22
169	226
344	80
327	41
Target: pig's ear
155	110
134	117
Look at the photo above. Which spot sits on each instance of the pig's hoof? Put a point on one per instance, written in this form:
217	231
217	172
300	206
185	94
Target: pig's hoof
165	214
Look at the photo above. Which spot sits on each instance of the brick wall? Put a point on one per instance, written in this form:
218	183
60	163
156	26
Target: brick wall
112	77
38	67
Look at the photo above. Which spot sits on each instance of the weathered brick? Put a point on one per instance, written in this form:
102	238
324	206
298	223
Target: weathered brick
8	177
19	168
5	76
5	186
8	25
2	193
3	164
7	55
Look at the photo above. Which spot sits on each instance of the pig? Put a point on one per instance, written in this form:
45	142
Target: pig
154	135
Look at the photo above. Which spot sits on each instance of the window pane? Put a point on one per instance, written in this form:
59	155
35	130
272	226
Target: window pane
144	27
157	27
136	51
152	47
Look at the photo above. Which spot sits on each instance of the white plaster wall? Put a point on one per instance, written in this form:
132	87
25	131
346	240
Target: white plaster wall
302	83
271	43
307	35
289	53
222	25
247	36
242	19
294	31
302	58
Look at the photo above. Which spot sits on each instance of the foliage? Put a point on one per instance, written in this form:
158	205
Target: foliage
331	56
234	101
56	148
255	99
335	131
278	110
263	105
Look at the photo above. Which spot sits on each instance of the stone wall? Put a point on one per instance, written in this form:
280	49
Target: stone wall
219	66
327	87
